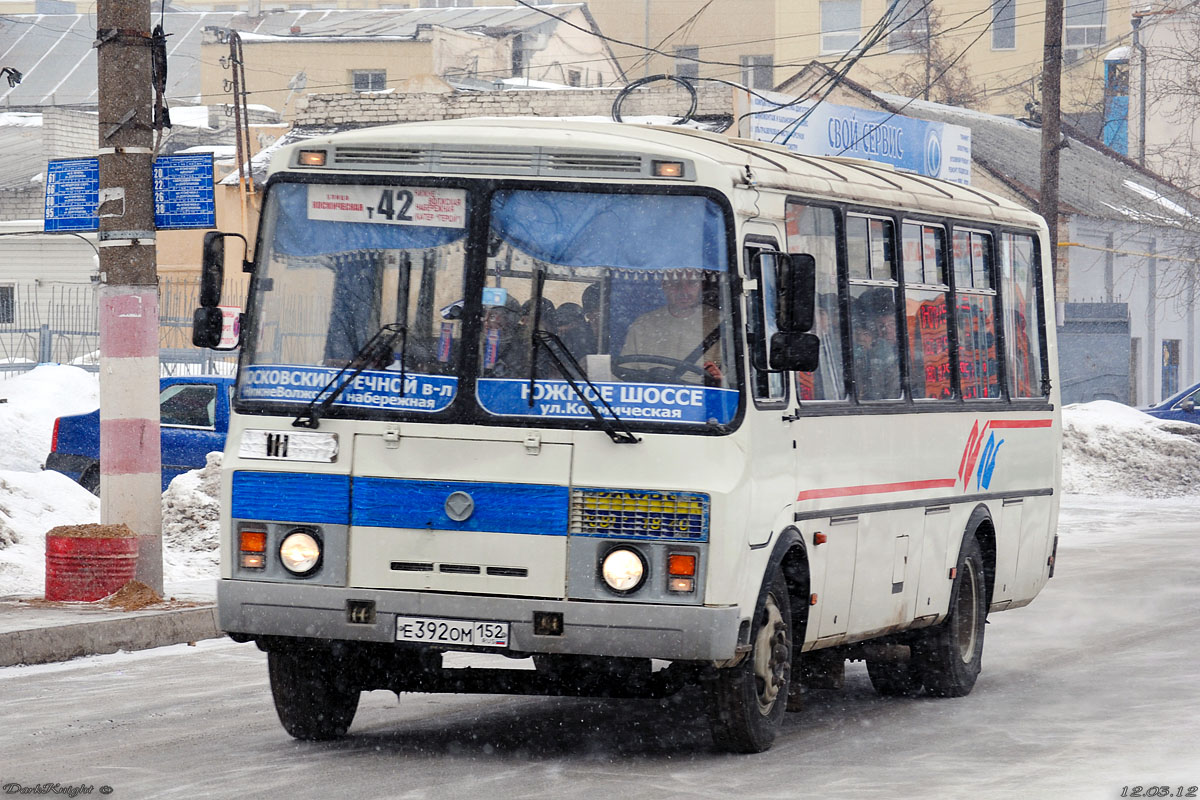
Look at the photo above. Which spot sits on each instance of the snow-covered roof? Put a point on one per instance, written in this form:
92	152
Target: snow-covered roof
55	51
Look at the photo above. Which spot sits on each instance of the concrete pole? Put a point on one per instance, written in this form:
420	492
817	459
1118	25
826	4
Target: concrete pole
1051	134
130	454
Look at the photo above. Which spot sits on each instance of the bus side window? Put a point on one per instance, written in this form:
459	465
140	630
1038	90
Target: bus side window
813	230
975	316
926	287
873	288
1022	320
761	323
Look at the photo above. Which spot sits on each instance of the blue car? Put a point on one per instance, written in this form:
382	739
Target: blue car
194	413
1180	407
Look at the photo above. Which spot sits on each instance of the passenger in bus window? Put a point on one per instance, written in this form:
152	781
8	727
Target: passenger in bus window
504	354
591	308
574	331
677	332
876	349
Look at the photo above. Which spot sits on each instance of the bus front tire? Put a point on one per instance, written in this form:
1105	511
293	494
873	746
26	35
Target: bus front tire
311	699
747	702
950	656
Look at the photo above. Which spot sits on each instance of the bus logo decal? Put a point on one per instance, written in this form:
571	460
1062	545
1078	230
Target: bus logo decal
975	444
460	506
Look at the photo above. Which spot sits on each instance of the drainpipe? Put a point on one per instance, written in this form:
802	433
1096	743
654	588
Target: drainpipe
1136	23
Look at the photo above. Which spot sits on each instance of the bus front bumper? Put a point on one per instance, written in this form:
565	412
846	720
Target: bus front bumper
677	633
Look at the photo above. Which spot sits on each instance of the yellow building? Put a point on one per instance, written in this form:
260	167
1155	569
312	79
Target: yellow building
985	53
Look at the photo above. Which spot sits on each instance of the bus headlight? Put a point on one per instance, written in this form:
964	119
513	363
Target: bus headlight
623	569
300	552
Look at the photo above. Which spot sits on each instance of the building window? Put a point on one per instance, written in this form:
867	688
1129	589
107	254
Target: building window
1004	24
574	77
1170	367
841	25
908	27
1084	20
8	305
758	72
368	80
687	64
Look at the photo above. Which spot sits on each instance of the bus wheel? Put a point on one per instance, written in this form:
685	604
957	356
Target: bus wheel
747	702
950	656
310	698
895	678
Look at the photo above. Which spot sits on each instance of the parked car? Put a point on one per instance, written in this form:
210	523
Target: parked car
194	417
1179	407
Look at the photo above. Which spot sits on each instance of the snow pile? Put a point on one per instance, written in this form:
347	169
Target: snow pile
192	510
1109	448
40	501
32	503
33	400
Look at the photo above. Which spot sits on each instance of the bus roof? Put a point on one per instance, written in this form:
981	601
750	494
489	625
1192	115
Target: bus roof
520	146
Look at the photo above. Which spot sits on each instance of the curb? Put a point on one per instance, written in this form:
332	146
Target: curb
141	632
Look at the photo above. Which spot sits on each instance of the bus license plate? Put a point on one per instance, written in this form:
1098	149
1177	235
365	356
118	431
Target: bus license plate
452	631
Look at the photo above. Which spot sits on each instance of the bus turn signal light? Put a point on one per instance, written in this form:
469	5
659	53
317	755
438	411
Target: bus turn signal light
681	565
253	542
311	158
253	547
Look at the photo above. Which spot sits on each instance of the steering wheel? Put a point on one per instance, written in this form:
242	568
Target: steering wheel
668	370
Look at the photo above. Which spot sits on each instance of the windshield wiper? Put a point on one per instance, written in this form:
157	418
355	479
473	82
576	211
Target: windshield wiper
568	365
377	346
370	352
539	286
574	375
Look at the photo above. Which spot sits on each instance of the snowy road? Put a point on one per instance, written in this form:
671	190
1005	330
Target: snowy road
1093	688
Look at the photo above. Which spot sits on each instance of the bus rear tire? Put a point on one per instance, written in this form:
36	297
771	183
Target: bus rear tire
950	656
747	702
311	698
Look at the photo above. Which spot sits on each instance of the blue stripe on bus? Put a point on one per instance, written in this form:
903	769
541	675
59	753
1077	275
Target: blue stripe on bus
499	507
292	497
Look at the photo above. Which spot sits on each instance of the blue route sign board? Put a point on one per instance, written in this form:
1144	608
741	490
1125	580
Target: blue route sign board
183	193
72	195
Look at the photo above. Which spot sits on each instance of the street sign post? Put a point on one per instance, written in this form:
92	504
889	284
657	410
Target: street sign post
183	194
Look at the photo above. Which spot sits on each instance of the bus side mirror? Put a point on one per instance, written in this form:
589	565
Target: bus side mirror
795	352
207	322
797	293
212	269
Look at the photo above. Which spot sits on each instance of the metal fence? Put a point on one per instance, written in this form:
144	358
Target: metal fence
59	324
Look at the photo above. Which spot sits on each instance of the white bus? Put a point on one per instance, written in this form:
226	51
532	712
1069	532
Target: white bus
653	407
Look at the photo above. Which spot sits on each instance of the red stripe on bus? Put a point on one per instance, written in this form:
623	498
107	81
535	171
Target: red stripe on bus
1022	423
877	488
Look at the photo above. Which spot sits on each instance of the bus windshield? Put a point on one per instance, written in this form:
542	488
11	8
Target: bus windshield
627	291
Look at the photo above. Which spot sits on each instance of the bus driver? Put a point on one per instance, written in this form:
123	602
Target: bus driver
677	332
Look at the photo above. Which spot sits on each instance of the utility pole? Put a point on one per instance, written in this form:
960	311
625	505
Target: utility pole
130	454
647	37
1051	136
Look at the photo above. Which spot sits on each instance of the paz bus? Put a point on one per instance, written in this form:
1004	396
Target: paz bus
653	408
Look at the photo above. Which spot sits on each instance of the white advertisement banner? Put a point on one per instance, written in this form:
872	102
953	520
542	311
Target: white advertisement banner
935	149
432	207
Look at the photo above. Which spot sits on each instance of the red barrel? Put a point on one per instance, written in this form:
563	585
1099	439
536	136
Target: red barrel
88	568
